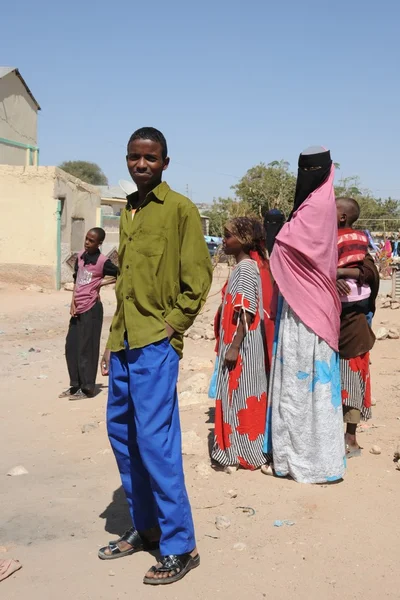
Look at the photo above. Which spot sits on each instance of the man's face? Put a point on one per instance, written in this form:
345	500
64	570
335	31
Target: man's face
145	162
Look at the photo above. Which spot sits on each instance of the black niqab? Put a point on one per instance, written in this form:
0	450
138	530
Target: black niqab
273	223
314	170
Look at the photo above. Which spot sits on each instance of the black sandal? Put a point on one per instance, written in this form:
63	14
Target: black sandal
181	564
131	537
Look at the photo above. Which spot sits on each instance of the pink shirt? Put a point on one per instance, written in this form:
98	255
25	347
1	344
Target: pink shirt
357	293
87	285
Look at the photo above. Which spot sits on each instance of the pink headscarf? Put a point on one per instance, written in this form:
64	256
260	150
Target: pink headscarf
304	263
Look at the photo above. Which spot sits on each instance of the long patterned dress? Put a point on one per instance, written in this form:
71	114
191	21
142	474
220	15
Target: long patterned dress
241	399
305	417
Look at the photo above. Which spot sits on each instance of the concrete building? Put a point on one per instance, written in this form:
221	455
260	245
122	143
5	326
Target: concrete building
18	120
45	215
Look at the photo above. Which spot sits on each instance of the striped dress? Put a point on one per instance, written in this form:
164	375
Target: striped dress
241	399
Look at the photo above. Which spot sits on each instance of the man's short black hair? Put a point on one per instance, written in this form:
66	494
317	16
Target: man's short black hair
100	233
150	133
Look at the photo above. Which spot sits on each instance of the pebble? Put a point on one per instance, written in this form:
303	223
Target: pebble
375	450
41	377
240	547
382	333
111	573
394	334
16	471
222	523
89	427
232	494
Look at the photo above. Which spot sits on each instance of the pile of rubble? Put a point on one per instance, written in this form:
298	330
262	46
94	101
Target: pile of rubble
203	327
390	303
384	334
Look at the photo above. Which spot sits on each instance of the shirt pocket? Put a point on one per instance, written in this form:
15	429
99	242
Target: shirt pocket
149	250
150	245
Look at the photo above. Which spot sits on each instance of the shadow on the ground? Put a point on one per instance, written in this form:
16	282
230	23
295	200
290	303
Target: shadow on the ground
211	419
116	515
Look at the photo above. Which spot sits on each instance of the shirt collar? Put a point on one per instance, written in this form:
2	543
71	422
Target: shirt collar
159	194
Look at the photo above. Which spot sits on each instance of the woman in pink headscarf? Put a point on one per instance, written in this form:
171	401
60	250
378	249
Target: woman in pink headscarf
305	418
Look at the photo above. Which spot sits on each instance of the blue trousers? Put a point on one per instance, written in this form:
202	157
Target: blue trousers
145	435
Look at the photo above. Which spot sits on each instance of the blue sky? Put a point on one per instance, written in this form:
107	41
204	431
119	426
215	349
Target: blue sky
230	83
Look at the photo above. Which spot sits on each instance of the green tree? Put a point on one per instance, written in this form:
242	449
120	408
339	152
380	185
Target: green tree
267	186
224	209
376	214
86	171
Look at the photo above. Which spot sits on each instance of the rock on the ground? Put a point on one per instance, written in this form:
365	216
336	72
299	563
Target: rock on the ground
240	547
69	287
195	333
232	494
16	471
222	523
199	383
395	305
34	288
197	364
394	334
188	398
89	427
376	450
210	335
382	333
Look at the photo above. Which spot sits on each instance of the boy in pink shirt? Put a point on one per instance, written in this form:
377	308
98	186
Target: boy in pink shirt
82	345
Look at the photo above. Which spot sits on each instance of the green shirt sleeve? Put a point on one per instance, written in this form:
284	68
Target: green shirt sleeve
195	272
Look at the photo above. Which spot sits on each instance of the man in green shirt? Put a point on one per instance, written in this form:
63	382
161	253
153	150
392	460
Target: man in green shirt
164	277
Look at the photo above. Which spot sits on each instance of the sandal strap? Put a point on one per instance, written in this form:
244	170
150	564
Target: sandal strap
131	537
173	562
113	548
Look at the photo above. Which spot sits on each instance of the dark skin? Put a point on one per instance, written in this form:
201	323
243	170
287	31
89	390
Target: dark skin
92	245
345	220
346	217
146	165
232	247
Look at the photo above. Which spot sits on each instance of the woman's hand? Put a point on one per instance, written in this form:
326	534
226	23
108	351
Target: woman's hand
105	363
231	357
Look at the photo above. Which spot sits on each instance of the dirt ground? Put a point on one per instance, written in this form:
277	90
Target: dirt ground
345	537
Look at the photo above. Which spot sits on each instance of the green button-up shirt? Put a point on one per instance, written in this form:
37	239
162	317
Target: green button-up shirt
165	271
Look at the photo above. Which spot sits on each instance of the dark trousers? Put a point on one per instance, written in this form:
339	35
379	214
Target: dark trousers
82	348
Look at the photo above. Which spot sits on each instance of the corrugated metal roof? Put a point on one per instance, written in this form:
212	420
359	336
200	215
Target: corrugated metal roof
111	191
7	70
